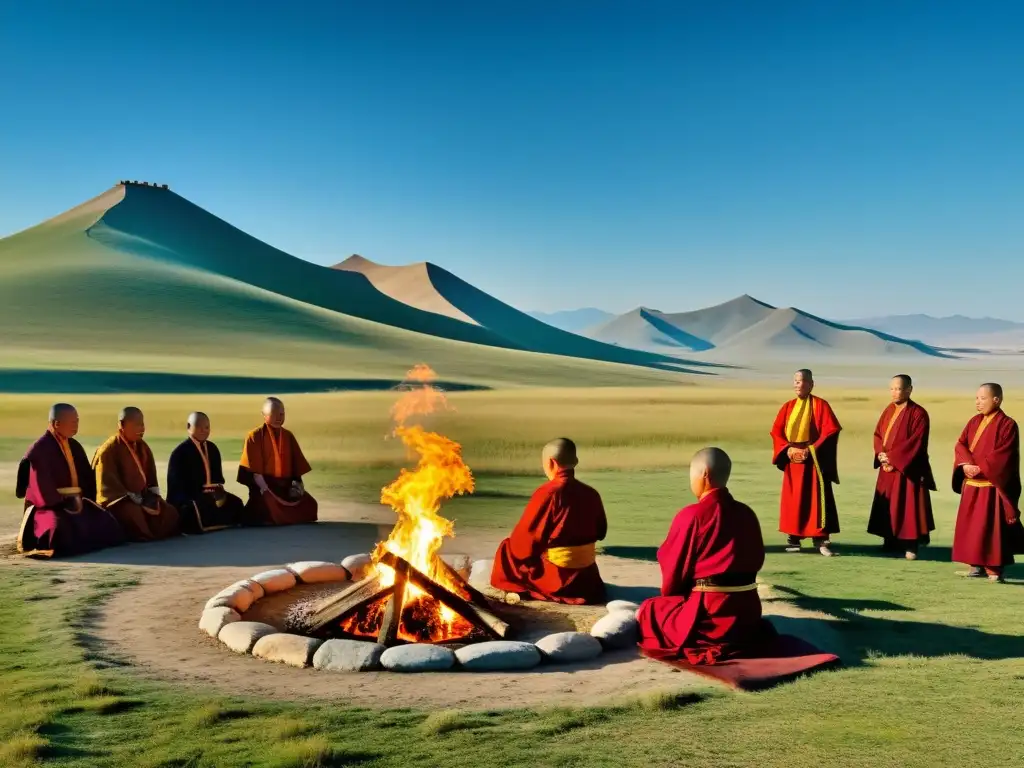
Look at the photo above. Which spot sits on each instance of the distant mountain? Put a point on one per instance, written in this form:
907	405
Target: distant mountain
954	330
574	320
746	327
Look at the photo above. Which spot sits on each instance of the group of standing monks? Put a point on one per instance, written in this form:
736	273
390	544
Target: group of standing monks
708	608
74	506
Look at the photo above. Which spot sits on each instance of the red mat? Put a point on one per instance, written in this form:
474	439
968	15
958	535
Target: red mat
790	657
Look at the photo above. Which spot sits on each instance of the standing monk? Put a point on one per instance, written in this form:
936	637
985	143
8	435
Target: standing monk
902	510
272	467
59	488
805	440
195	482
709	609
126	479
986	474
551	552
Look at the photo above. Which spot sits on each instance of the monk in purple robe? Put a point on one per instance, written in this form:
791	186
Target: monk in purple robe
986	474
61	515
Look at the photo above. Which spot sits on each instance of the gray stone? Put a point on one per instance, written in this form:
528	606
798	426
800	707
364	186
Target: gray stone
318	572
622	605
241	636
348	656
358	565
417	658
498	655
480	573
277	580
569	646
617	630
294	650
214	620
238	597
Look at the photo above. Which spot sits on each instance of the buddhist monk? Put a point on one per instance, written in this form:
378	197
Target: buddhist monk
986	474
805	440
195	482
127	484
709	609
272	467
551	552
59	488
902	509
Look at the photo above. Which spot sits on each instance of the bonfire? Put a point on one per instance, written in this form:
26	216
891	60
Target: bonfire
412	595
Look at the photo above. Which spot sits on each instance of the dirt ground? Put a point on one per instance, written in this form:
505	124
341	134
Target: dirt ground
153	628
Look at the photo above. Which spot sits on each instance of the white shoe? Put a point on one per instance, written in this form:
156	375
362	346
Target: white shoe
825	551
793	548
911	555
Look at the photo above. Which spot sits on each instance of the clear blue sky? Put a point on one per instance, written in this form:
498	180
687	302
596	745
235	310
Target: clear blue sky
850	158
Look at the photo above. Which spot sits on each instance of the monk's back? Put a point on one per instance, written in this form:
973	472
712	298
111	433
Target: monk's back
577	513
729	538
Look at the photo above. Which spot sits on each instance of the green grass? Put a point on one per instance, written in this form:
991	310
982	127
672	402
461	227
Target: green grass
934	666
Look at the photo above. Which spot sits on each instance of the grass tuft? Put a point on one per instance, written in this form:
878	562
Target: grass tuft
446	721
22	749
665	701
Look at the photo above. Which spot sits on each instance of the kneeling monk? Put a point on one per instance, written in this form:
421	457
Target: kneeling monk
550	554
59	488
127	484
195	482
709	609
271	468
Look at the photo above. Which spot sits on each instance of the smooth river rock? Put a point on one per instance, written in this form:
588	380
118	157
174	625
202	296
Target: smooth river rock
498	655
622	605
358	565
617	630
569	646
348	656
214	620
480	573
240	596
318	572
276	580
294	650
417	658
241	636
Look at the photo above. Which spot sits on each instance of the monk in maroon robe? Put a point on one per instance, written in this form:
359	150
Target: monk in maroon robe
61	515
805	441
551	552
709	609
271	467
127	485
902	509
986	474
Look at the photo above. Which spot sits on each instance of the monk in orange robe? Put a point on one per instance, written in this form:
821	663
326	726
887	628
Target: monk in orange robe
272	467
127	485
986	474
709	609
901	512
805	440
551	552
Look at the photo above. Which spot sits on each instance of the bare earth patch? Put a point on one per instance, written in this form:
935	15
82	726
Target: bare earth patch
153	627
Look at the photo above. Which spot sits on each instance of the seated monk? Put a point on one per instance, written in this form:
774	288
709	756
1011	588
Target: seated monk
195	482
59	488
550	554
127	484
272	467
709	608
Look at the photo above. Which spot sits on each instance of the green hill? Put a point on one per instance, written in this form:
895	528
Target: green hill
140	280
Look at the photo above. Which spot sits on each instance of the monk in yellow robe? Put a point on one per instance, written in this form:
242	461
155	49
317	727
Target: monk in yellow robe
272	467
126	482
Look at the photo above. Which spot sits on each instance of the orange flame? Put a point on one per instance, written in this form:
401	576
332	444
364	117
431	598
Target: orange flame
416	495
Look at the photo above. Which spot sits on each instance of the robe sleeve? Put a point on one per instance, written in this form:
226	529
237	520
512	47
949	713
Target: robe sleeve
86	477
601	522
676	557
110	486
530	536
780	443
151	479
300	466
827	445
880	435
961	455
216	465
251	462
1001	464
42	484
905	451
178	483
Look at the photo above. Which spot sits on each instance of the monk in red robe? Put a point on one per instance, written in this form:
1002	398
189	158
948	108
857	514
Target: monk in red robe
902	509
62	517
805	440
709	609
127	484
272	467
551	552
986	474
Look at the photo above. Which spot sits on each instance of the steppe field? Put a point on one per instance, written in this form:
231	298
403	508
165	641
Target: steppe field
932	664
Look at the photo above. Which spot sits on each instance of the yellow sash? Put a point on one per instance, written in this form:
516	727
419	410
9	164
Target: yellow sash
576	557
798	427
73	490
981	428
978	483
897	412
65	448
709	588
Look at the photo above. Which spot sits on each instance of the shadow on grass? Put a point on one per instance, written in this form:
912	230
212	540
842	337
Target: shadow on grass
632	553
940	553
870	636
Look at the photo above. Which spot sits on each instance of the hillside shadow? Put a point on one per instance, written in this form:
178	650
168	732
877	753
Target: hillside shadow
869	636
250	547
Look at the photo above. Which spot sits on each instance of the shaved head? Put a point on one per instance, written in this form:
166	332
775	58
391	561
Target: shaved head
198	426
271	403
273	412
716	462
195	417
131	413
996	390
133	425
561	451
64	420
803	382
903	379
61	410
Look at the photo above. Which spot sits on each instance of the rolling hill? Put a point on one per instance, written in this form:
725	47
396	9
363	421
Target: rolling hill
746	328
987	333
574	320
139	279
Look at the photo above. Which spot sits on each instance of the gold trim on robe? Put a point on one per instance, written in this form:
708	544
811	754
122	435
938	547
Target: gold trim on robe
710	588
